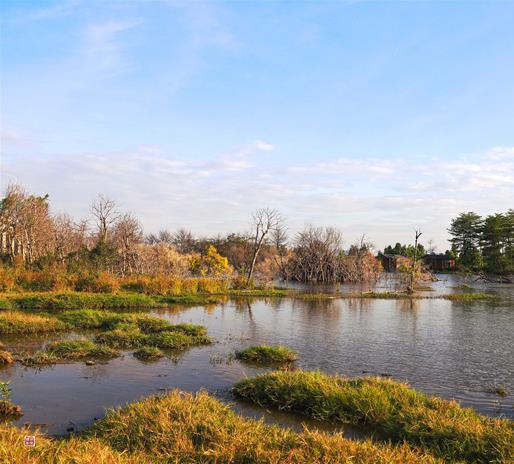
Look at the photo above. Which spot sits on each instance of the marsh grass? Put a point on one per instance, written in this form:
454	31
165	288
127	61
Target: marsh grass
70	301
390	408
9	410
68	350
184	428
148	353
266	354
79	349
18	322
5	358
132	337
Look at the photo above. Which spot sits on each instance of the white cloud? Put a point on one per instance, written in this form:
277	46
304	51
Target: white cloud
102	45
384	198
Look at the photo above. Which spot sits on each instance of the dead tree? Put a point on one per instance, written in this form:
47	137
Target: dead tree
410	288
264	222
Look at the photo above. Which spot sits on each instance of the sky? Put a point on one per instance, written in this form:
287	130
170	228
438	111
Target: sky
374	117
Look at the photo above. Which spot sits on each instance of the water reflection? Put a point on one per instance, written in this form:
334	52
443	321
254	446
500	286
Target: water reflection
446	348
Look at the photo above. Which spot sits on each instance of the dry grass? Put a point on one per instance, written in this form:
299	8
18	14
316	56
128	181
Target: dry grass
394	410
185	428
16	322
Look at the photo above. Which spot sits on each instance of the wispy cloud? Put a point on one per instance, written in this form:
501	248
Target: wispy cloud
382	198
102	45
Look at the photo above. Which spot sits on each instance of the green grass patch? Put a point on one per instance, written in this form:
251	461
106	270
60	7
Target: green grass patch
470	296
155	332
17	322
391	408
68	350
70	301
184	428
79	349
267	354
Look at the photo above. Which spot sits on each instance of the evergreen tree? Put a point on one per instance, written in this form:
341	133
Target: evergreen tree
466	230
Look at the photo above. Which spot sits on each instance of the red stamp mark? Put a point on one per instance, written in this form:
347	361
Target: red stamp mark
29	440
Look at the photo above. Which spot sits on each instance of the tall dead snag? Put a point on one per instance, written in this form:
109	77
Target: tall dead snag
264	222
410	288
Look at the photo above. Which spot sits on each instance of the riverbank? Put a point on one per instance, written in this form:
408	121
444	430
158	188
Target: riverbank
184	428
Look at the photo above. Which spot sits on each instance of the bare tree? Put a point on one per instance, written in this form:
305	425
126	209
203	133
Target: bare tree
105	212
69	236
317	255
184	241
127	234
264	222
25	224
410	287
279	242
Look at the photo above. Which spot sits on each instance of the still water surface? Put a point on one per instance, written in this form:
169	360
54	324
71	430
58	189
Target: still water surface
451	349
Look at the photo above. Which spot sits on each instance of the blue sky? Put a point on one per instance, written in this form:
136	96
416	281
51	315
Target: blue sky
376	117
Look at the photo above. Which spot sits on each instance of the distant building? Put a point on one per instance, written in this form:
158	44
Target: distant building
391	263
439	262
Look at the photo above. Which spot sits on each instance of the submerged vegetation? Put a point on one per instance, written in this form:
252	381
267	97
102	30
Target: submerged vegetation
185	428
266	354
390	408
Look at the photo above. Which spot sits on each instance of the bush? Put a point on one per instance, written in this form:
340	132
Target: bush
7	280
103	282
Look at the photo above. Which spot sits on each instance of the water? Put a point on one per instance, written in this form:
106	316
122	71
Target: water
452	349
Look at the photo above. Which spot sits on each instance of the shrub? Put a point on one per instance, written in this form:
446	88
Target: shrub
102	282
7	280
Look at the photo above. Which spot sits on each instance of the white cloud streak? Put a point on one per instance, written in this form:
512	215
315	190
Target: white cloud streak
383	198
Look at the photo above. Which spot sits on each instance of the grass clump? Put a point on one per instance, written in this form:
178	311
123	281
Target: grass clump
391	408
267	354
16	322
79	349
184	428
122	338
5	358
9	410
68	350
148	353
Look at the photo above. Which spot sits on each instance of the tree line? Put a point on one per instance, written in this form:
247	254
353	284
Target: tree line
484	243
113	241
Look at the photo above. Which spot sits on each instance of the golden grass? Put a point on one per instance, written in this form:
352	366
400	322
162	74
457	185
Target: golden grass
185	428
390	408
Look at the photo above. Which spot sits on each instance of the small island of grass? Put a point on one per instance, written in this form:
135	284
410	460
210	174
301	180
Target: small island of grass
267	354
